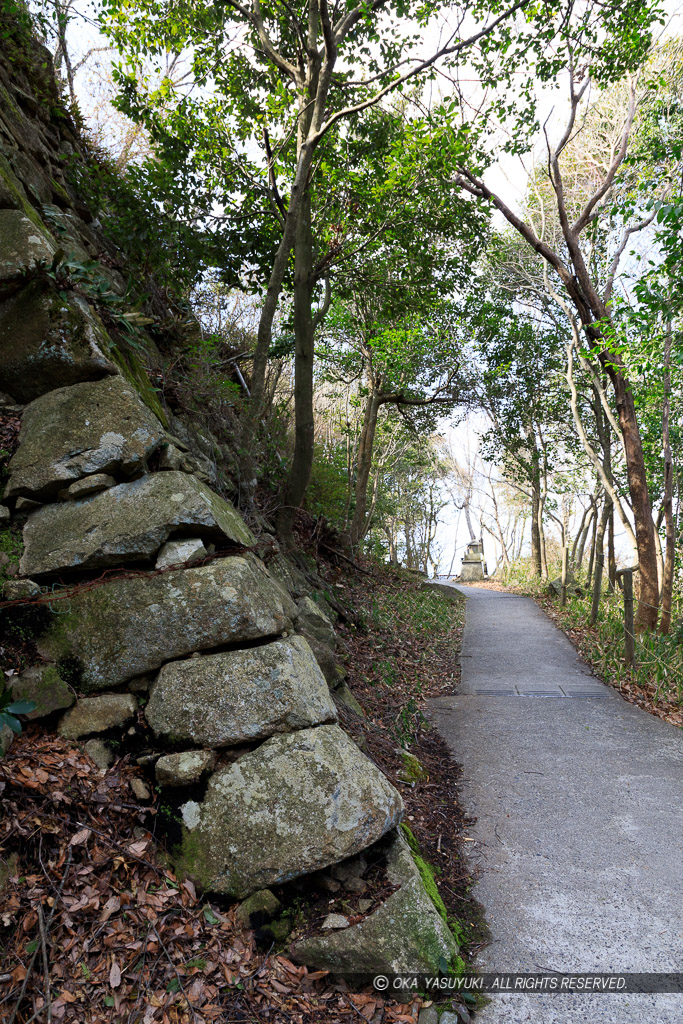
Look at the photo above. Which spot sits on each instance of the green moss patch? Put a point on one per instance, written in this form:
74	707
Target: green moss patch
428	876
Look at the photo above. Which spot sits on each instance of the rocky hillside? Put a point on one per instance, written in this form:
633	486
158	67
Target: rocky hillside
154	620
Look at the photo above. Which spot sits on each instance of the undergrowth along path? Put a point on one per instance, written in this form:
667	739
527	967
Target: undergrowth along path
577	796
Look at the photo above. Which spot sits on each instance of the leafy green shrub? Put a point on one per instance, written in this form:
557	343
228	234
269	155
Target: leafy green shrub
328	489
10	708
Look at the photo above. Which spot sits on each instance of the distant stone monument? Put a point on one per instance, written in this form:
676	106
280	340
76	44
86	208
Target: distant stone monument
473	565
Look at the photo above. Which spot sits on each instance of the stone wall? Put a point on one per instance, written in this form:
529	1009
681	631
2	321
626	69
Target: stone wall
161	616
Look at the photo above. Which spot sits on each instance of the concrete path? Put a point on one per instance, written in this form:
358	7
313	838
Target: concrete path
579	834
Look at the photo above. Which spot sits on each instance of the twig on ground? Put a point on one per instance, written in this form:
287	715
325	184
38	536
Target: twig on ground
24	986
46	964
178	978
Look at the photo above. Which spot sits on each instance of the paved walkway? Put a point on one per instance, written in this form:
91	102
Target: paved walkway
578	800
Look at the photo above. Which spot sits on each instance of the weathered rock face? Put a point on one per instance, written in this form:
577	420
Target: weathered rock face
97	714
95	427
48	343
298	802
125	524
127	627
291	577
221	700
334	672
177	552
88	486
185	768
43	685
312	621
406	935
21	243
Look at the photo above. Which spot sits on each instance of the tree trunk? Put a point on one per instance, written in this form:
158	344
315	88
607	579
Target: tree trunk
578	561
648	604
541	533
599	561
302	460
364	465
611	554
668	578
535	532
591	559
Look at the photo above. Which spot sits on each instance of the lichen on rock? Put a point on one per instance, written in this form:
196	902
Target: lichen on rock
220	700
126	627
90	428
127	523
299	802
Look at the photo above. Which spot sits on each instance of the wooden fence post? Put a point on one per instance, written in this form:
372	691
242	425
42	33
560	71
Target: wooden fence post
629	635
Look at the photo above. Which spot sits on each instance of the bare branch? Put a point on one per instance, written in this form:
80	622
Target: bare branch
614	266
617	161
447	50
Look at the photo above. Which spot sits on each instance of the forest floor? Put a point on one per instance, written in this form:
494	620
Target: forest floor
638	688
96	927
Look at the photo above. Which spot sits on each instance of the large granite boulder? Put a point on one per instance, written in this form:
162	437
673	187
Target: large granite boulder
127	627
127	523
325	656
221	700
405	935
21	243
96	427
47	342
299	802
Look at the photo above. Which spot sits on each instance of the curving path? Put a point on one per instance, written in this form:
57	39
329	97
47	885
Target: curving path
579	834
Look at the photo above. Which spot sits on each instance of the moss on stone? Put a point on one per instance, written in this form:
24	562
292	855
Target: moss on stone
413	770
9	180
12	545
133	370
428	876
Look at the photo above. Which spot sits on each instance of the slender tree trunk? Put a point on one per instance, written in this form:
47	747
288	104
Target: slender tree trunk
668	579
599	561
611	553
648	603
302	460
541	533
580	551
591	559
536	564
577	538
364	465
565	550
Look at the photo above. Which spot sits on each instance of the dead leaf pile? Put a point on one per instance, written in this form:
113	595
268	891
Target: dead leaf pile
95	928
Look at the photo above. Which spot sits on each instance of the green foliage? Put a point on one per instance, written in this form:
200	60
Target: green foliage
409	723
155	217
11	545
328	490
419	612
66	274
11	708
658	671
